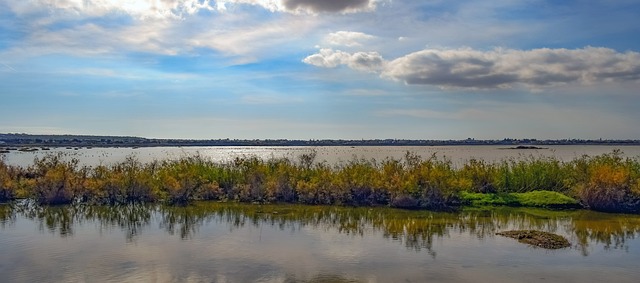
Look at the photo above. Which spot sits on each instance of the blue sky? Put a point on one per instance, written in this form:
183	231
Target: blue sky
336	69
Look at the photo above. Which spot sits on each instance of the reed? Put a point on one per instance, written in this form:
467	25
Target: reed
55	180
607	182
7	175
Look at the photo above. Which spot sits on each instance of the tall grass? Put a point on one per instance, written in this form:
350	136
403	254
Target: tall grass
606	182
56	180
7	177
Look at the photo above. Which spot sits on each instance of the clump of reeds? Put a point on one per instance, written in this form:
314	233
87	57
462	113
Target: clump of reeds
7	175
607	182
56	180
123	182
189	178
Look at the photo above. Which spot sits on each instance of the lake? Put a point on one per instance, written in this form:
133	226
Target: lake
332	155
217	242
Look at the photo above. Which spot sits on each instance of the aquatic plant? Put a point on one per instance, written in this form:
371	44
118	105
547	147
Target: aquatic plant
186	179
7	192
607	182
57	180
530	174
123	182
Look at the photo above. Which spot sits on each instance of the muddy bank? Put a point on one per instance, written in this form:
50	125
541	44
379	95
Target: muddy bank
537	238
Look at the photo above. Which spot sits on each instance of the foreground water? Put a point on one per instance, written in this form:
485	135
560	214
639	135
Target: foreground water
214	242
329	154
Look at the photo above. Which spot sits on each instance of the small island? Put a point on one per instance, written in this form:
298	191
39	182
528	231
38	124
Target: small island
537	238
526	147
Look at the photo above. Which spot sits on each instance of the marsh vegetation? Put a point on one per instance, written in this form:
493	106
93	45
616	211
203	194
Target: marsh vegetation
608	182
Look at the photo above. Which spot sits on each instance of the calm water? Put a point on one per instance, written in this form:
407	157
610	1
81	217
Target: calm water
332	155
212	242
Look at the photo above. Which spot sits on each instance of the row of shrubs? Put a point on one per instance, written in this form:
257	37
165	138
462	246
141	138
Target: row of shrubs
606	182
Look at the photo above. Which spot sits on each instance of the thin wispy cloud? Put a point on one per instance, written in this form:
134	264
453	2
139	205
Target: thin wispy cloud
8	68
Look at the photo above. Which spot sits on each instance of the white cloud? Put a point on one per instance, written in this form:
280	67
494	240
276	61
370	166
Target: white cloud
236	36
362	61
347	38
91	39
144	9
249	39
505	68
309	6
343	6
138	8
498	68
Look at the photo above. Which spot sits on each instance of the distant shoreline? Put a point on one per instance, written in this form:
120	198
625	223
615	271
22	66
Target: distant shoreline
15	141
29	147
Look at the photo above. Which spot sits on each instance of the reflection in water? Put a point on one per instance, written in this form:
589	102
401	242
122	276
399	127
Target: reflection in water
218	242
7	214
322	278
416	229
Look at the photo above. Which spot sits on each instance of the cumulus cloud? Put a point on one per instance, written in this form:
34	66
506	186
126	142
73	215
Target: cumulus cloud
361	61
498	68
347	38
308	6
332	6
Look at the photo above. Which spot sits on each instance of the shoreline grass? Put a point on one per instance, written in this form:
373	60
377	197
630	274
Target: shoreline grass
605	182
543	199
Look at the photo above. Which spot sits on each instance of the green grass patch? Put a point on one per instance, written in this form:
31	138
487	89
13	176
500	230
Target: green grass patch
545	199
531	199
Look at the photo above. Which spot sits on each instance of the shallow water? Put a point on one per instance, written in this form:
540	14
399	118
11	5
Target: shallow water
331	155
213	242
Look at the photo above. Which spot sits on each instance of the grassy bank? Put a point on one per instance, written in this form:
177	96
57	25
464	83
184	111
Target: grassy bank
546	199
607	182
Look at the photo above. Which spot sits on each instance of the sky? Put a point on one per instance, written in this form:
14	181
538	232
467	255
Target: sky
312	69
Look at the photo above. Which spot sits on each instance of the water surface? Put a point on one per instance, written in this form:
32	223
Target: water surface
214	242
330	154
